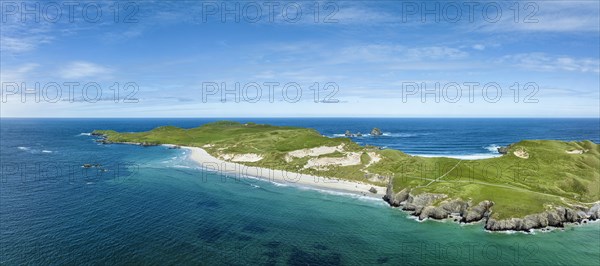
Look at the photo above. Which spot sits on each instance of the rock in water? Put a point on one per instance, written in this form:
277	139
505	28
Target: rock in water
376	132
503	150
348	133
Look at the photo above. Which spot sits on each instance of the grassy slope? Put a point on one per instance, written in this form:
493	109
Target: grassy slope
518	186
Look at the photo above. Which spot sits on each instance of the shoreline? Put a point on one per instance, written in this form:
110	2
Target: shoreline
421	206
209	162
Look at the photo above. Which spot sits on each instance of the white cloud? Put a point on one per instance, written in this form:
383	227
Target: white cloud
479	47
81	69
18	74
545	62
548	16
376	52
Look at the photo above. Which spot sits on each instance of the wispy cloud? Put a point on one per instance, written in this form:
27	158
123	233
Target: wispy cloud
377	52
545	62
479	47
81	69
547	16
19	73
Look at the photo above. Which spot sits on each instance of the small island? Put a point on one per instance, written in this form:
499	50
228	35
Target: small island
534	184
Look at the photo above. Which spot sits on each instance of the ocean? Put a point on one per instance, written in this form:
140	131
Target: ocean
152	205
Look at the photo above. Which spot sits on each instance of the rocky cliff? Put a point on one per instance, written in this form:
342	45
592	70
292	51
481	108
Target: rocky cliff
438	206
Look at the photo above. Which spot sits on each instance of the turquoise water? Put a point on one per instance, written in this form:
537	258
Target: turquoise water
154	206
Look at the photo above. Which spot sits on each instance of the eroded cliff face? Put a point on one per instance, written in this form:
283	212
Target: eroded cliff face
428	205
555	218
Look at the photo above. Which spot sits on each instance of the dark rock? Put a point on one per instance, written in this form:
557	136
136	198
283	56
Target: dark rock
348	133
503	150
376	132
104	141
87	165
146	144
373	190
394	199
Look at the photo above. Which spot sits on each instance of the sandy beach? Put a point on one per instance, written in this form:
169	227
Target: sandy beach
209	162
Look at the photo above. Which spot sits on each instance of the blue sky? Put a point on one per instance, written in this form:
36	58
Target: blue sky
365	56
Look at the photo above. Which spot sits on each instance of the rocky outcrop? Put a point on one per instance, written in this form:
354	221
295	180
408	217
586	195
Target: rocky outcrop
444	210
478	212
104	141
373	190
348	133
376	132
555	218
418	202
394	199
594	212
428	205
147	144
503	150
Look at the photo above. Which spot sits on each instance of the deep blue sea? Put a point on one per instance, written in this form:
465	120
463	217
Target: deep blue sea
154	206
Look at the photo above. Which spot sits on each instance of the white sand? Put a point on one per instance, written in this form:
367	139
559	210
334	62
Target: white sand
313	152
209	162
247	157
351	158
521	154
375	158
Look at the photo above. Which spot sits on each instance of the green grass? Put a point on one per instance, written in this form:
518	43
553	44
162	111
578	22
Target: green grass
550	176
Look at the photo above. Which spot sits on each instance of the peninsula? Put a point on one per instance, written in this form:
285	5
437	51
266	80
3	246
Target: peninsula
534	184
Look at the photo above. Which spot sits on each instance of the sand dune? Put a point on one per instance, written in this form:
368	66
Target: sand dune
207	161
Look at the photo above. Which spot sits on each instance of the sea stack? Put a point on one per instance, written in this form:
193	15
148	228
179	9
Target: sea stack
376	132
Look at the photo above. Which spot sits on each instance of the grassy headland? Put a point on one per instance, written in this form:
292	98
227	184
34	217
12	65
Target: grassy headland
532	177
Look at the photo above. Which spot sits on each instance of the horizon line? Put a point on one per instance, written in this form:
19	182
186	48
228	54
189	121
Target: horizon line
315	117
